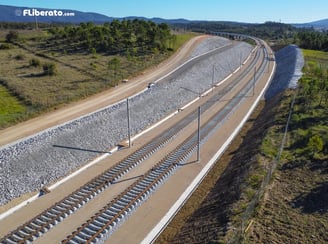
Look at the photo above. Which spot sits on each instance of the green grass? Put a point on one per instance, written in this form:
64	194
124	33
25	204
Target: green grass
315	60
316	55
10	108
182	38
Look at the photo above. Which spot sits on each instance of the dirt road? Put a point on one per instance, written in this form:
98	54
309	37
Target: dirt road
97	101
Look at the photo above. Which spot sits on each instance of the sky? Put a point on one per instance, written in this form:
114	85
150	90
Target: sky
250	11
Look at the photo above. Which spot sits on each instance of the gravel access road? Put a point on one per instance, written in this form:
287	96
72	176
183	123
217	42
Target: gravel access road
54	153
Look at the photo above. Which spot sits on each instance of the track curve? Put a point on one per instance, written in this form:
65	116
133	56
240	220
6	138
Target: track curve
111	215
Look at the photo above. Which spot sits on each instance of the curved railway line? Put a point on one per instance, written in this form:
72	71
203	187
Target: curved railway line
107	219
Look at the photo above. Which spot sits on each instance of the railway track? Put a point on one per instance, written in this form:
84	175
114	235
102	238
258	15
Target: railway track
100	226
62	209
104	222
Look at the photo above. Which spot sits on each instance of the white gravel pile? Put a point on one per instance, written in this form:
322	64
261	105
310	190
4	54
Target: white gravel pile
290	62
52	154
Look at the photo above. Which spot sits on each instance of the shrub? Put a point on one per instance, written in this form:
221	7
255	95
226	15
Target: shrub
93	51
12	36
4	46
49	69
35	62
19	57
315	144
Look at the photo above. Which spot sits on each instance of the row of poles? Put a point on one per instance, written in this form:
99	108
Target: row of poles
199	113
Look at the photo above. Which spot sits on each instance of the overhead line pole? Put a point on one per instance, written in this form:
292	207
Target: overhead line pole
198	136
254	81
128	117
213	78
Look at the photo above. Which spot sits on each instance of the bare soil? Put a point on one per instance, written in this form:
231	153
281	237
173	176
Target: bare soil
294	209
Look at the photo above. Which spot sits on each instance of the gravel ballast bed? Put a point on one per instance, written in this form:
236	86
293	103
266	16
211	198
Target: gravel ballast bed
52	154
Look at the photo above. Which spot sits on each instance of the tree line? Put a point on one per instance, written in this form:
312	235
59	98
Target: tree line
25	25
307	38
311	39
139	36
118	37
268	30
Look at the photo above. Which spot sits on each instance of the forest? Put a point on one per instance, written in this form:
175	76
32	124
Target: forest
137	37
315	40
133	37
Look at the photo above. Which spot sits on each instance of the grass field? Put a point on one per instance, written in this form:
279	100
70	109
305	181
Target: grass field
77	75
317	56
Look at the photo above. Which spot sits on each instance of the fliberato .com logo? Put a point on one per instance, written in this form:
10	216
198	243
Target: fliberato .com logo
43	13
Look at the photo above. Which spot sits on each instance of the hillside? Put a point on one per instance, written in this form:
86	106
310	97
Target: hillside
319	25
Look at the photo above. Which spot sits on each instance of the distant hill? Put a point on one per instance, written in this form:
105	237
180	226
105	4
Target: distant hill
16	14
319	25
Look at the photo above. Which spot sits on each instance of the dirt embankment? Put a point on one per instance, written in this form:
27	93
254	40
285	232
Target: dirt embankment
294	209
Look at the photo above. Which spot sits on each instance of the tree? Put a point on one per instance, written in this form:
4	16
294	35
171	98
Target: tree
114	64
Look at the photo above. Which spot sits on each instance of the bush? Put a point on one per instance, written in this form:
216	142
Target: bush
35	62
315	144
4	46
93	51
49	69
19	57
12	36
